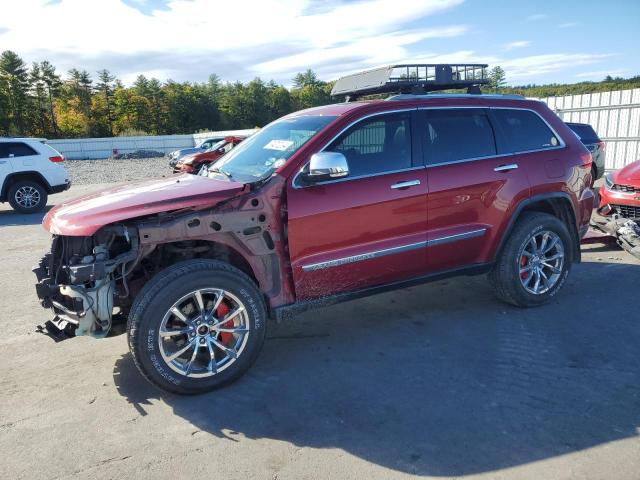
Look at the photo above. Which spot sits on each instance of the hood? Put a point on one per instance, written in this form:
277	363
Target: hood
85	215
629	175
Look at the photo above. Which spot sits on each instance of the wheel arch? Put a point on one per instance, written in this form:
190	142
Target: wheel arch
177	251
559	205
30	175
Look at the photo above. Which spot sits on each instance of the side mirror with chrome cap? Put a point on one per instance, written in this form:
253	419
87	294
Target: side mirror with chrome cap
326	166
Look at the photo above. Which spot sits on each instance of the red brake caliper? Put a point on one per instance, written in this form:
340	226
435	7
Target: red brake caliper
523	263
221	311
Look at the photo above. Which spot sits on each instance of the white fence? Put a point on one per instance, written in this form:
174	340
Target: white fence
95	148
615	116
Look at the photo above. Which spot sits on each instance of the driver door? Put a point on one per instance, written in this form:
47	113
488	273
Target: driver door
368	228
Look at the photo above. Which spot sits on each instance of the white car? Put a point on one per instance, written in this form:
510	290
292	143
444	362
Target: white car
30	171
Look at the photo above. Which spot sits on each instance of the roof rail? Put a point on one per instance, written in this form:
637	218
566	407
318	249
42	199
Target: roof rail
412	78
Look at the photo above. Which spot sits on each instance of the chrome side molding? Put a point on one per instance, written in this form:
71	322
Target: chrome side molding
390	251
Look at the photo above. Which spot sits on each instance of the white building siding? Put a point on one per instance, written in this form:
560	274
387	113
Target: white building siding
614	115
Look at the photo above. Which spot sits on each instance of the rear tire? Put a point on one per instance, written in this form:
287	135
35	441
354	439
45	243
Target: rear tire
524	275
155	328
26	196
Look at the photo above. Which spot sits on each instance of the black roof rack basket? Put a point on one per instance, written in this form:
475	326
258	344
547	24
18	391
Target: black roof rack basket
412	78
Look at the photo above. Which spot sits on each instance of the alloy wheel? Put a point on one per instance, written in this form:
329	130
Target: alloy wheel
541	261
203	333
27	196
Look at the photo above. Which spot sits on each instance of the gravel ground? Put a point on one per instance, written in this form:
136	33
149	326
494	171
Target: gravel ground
89	172
438	381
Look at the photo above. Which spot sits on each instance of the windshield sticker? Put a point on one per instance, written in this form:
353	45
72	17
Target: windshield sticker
279	163
279	145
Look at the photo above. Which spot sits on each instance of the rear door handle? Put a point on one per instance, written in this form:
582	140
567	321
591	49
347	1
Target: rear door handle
506	168
407	184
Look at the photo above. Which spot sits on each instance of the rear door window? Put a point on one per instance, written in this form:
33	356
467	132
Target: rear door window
377	145
19	149
524	130
4	150
453	135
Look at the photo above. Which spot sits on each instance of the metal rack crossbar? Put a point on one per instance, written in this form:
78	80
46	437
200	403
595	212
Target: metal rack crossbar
412	78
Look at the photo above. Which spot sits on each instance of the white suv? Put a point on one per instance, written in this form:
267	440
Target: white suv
30	170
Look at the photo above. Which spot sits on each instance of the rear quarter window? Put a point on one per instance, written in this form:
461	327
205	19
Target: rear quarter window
524	130
19	149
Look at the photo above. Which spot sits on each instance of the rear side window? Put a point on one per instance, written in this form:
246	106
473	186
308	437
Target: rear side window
4	150
377	145
586	133
19	149
524	130
457	134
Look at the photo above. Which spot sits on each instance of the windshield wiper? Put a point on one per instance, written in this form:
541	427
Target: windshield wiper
217	170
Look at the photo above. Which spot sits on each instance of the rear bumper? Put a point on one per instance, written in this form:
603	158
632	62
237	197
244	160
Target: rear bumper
62	187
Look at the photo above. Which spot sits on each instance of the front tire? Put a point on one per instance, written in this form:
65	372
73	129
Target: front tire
26	196
535	261
196	326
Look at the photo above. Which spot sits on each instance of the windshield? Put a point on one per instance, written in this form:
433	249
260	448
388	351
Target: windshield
257	157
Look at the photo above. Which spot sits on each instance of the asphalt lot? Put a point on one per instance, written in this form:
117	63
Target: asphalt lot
440	380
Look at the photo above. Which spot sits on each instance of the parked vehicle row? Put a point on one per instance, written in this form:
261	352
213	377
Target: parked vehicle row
193	162
320	206
203	146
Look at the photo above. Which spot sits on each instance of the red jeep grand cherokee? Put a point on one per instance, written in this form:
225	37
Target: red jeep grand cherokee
323	205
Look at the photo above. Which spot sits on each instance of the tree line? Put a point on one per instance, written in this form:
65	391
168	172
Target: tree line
37	101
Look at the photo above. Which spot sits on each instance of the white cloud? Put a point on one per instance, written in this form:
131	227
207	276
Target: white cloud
535	65
197	35
600	74
568	25
536	17
517	44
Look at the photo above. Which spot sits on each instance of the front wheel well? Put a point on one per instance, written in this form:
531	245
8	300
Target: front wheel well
174	252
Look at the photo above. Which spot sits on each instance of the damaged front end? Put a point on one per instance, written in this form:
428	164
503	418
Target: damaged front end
626	231
80	278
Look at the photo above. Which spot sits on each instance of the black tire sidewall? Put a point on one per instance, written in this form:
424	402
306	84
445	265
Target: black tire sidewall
523	236
160	294
27	183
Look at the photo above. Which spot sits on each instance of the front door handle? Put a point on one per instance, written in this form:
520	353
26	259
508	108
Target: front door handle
407	184
505	168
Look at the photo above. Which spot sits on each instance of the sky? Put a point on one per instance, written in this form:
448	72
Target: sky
541	41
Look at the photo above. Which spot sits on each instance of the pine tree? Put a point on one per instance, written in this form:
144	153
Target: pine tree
15	76
52	81
497	78
105	87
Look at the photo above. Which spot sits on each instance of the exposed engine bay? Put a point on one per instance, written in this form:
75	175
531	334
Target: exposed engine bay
80	278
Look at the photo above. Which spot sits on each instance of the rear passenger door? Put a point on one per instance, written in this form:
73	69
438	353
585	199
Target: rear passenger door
535	147
471	187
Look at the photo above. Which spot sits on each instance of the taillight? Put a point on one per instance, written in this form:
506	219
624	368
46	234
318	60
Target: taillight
56	159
